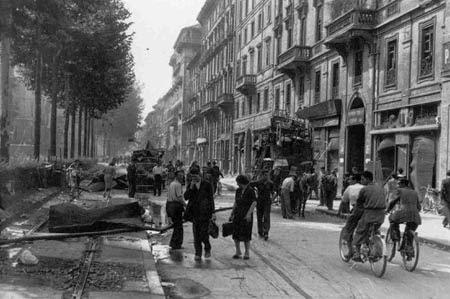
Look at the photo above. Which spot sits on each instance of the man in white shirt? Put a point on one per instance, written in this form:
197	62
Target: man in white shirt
157	174
174	208
352	192
287	187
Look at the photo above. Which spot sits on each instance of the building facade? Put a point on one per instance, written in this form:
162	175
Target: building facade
369	79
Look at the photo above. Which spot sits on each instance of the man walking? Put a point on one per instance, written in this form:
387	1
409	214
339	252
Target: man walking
264	188
350	194
216	174
200	195
157	183
445	199
330	189
287	187
131	177
174	207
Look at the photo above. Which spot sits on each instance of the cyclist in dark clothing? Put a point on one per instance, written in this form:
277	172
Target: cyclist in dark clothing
264	188
407	213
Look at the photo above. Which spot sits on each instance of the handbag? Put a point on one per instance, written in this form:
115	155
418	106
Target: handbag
227	229
213	229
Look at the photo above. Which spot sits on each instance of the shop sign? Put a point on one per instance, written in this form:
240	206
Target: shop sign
401	138
326	122
356	116
446	60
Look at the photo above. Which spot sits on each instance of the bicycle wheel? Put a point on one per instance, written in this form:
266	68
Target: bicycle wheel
410	260
391	246
377	256
344	250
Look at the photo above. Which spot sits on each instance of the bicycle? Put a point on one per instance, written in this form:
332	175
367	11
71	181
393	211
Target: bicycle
410	258
431	201
372	250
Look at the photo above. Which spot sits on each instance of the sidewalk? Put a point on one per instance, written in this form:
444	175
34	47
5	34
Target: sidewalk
431	231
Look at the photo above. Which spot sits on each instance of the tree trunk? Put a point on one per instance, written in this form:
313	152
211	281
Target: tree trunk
66	133
88	143
80	116
85	131
93	138
5	92
72	132
37	97
54	100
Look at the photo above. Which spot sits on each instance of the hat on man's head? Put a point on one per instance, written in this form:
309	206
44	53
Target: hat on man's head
293	171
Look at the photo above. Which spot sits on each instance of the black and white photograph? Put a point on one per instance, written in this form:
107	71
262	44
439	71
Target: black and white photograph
184	149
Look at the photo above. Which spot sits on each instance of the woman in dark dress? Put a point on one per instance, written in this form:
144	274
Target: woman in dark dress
242	216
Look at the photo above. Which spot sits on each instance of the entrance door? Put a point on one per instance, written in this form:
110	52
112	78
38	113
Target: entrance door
355	147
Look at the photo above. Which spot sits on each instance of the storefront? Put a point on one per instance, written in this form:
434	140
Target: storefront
406	139
324	118
356	136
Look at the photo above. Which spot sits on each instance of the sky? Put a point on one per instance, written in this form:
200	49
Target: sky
156	25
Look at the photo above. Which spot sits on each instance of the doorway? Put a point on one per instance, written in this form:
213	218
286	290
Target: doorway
355	147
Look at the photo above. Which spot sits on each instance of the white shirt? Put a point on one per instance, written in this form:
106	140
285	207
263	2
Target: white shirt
175	192
288	184
351	193
157	170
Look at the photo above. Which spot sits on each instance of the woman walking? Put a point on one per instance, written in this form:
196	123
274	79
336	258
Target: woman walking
242	216
109	173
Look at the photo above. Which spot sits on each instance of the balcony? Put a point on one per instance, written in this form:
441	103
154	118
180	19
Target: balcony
293	59
225	100
172	120
209	107
357	23
246	84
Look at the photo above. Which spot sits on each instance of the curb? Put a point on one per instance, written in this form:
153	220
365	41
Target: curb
153	281
438	244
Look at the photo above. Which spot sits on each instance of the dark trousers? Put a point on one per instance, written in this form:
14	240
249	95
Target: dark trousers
286	204
407	238
263	217
132	188
174	210
157	185
330	196
321	195
349	228
201	236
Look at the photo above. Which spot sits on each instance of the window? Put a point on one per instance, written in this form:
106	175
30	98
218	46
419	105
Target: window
266	99
426	49
236	109
250	105
238	68
301	91
278	46
269	13
240	11
358	67
245	35
277	98
289	36
252	29
317	87
268	52
335	82
258	102
246	7
303	31
243	108
240	40
260	22
391	63
259	58
244	65
319	22
252	62
288	99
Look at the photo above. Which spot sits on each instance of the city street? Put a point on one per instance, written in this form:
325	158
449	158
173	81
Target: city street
300	260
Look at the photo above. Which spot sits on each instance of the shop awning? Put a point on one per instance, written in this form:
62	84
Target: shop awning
387	142
333	144
325	109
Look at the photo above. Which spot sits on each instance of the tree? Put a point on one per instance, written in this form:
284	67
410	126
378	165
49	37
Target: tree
5	25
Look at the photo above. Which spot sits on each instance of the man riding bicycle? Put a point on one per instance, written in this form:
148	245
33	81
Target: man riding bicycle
407	213
370	207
